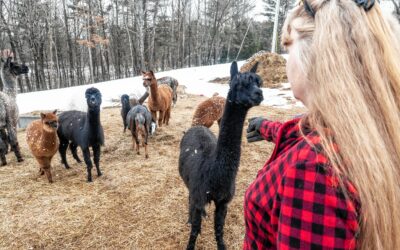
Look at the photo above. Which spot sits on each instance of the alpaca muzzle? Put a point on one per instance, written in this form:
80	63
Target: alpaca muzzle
52	124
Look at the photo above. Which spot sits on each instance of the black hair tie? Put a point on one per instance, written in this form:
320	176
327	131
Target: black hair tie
366	4
309	9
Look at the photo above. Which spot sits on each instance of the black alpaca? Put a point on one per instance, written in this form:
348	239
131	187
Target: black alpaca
126	106
209	166
82	129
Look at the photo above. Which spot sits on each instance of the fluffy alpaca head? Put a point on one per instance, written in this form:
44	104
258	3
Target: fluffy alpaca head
140	124
245	87
93	98
125	100
49	121
147	77
13	68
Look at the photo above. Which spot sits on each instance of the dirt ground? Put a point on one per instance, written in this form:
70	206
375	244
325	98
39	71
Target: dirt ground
136	204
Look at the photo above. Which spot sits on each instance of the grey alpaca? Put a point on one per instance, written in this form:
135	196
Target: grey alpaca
140	122
127	104
207	165
8	108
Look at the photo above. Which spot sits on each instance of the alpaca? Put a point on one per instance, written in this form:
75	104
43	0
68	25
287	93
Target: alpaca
8	105
84	130
209	111
207	165
41	136
170	81
3	137
139	120
160	98
3	151
126	105
173	83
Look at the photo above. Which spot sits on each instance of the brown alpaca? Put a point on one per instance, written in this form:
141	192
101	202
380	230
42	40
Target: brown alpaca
209	111
160	99
42	139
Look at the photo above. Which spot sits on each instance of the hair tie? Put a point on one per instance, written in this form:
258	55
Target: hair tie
366	4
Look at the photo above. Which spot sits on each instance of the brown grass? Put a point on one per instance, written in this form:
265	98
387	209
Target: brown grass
136	204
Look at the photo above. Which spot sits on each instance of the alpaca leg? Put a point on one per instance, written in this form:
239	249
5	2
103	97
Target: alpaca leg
137	146
44	164
145	145
88	161
3	137
96	157
219	221
135	142
48	174
196	228
167	116
161	118
3	158
17	151
12	136
62	148
73	149
154	115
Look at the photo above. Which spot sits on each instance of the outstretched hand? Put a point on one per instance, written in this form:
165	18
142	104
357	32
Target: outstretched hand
253	130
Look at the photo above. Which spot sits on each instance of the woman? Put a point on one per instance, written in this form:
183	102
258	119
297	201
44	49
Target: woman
333	179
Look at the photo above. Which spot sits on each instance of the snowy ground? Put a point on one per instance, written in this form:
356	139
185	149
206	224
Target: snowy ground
196	80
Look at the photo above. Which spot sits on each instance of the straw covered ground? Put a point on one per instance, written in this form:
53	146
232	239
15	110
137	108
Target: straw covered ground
136	204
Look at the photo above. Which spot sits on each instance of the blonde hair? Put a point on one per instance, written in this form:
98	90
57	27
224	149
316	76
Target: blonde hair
351	59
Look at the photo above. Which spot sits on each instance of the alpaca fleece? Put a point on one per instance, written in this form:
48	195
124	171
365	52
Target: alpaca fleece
41	137
139	120
9	113
207	165
83	129
160	99
173	83
209	111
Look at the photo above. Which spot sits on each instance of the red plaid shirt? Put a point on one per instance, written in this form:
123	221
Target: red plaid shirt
295	202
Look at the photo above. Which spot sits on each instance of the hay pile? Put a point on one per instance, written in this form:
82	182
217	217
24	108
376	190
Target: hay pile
136	204
271	68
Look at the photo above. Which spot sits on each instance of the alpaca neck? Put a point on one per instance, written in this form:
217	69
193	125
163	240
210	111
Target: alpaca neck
48	137
154	90
93	117
229	140
126	108
9	83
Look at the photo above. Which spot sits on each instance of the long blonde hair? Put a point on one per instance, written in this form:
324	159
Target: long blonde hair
351	58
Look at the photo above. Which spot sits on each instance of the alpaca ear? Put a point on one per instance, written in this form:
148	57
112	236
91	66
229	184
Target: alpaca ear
55	111
42	115
151	72
234	69
254	68
143	73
